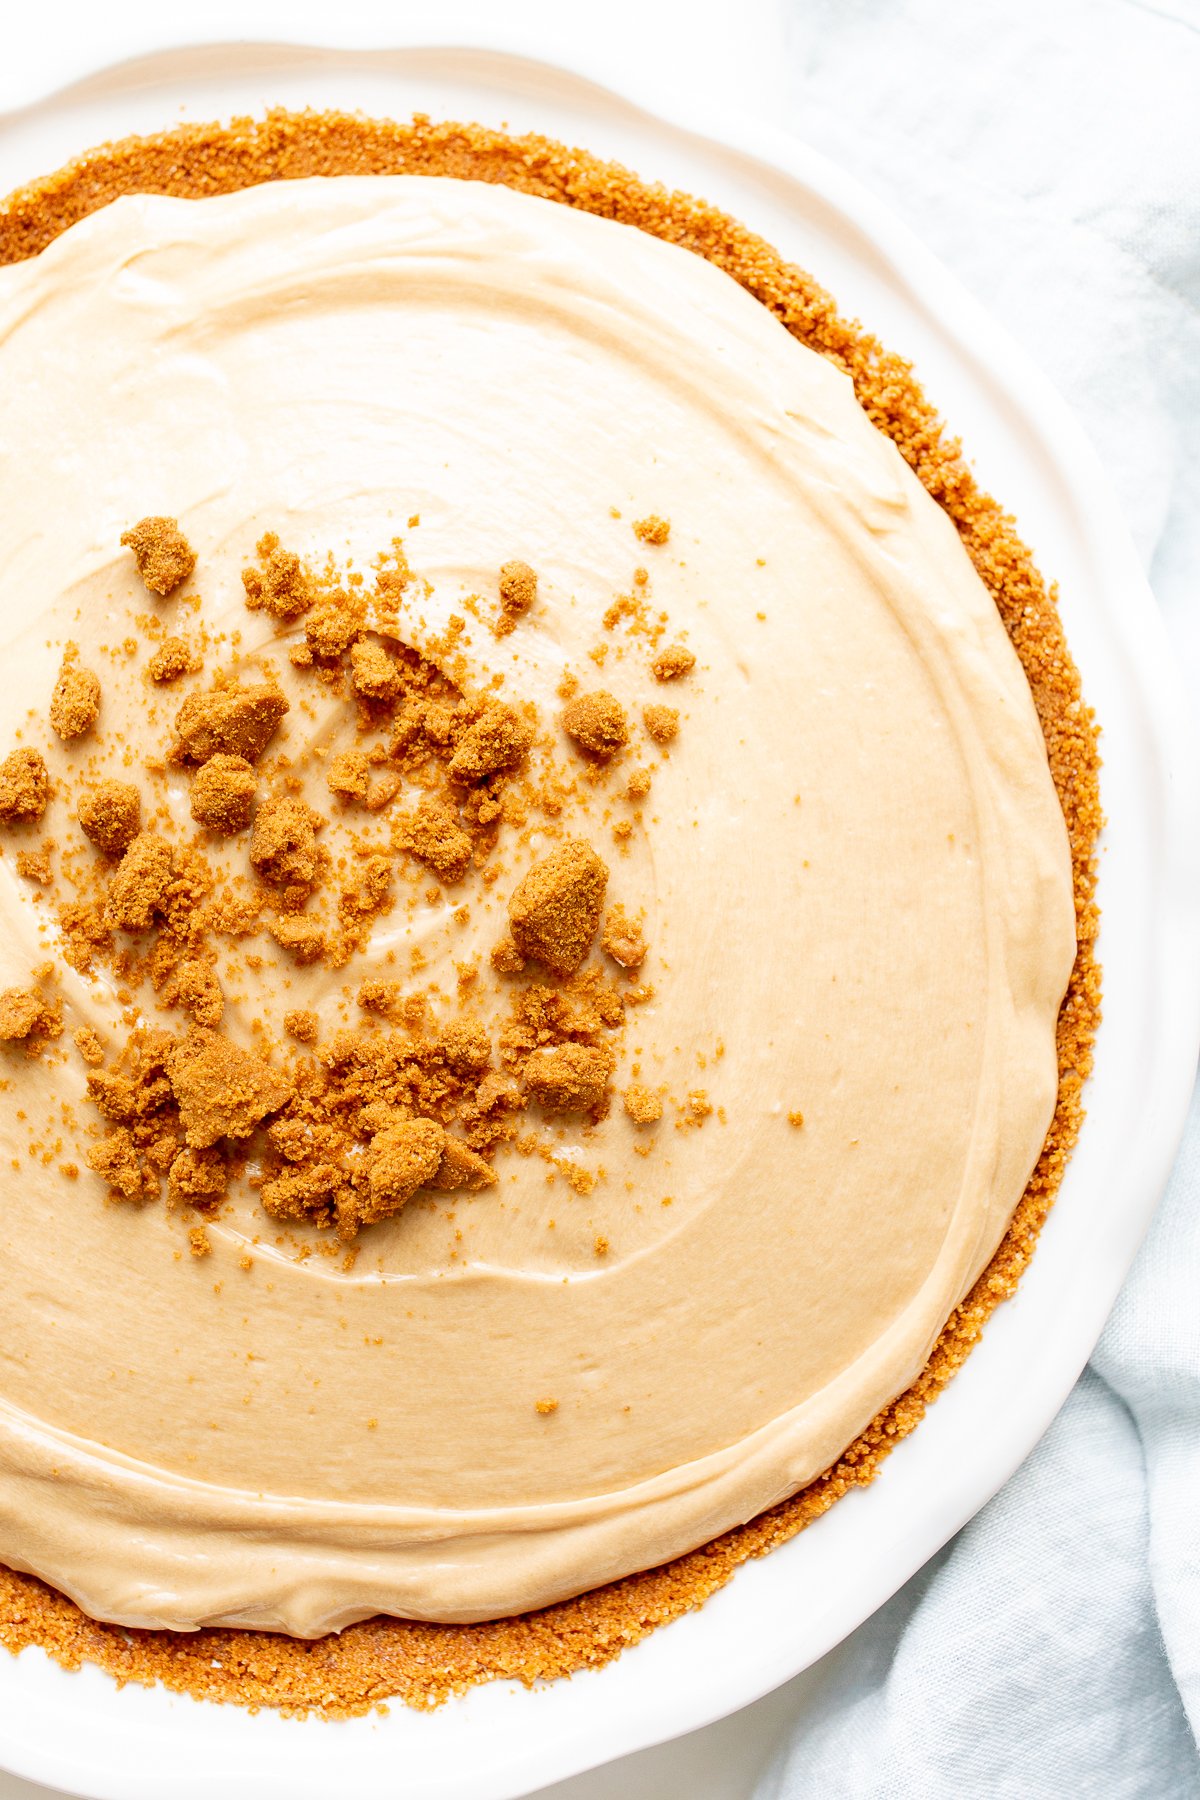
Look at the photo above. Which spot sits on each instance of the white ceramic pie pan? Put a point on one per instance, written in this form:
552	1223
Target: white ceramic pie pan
79	1732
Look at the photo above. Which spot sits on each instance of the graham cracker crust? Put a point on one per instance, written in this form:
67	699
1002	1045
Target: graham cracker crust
421	1664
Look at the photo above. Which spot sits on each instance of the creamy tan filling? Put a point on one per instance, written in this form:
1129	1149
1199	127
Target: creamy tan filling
853	866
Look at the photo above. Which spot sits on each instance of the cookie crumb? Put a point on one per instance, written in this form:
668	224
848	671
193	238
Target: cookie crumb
597	723
163	555
462	1167
374	675
671	663
229	721
75	702
518	592
495	744
139	883
661	722
173	658
349	777
24	786
435	837
545	1407
222	796
35	865
303	939
401	1159
198	1178
301	1024
221	1090
25	1014
570	1077
110	815
652	530
623	938
642	1105
279	585
554	913
88	1044
283	843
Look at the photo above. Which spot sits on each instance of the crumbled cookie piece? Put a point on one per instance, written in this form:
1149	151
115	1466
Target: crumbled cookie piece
280	585
110	815
301	1024
88	1044
462	1167
671	663
305	1193
570	1077
373	674
303	939
163	555
35	865
75	702
652	530
623	939
222	796
283	844
380	997
638	785
399	1161
198	1178
554	913
231	721
505	958
368	892
139	883
173	658
25	1014
115	1159
349	777
661	722
24	786
220	1089
643	1106
383	791
597	723
196	989
434	836
336	624
495	744
518	591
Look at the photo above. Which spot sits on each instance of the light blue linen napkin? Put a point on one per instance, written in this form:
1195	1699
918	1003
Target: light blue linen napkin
1050	152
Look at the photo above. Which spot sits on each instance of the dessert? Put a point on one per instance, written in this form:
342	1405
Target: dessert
572	1135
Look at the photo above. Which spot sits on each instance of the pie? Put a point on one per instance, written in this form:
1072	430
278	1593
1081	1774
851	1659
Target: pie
548	834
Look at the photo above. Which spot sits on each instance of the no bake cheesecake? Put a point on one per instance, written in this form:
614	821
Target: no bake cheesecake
540	873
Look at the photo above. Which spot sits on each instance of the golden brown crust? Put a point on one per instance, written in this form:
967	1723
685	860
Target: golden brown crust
421	1664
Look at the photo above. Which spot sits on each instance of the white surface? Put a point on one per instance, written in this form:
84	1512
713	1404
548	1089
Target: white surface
782	1613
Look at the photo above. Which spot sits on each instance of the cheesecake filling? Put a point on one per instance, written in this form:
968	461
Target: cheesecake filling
850	873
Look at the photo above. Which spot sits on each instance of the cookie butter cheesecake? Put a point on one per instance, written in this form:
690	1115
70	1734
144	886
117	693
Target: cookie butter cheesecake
536	906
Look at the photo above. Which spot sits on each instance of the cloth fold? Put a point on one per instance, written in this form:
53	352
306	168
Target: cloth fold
1051	155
